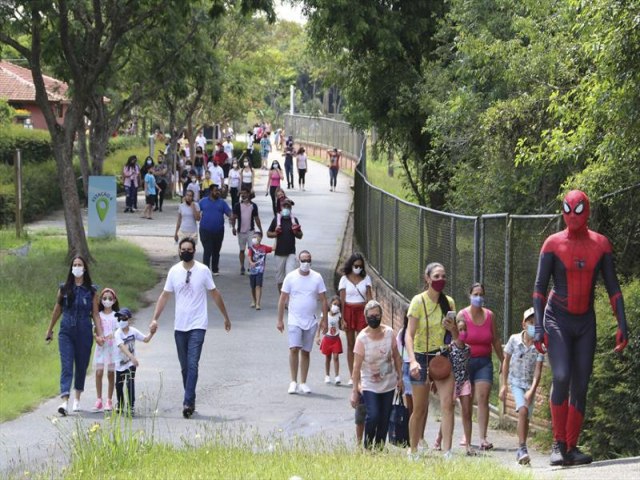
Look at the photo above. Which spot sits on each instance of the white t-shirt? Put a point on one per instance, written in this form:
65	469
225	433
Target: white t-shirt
234	178
201	141
333	324
303	293
302	161
191	297
355	293
129	339
228	149
217	174
188	223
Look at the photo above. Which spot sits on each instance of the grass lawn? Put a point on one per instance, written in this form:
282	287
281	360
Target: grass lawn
29	368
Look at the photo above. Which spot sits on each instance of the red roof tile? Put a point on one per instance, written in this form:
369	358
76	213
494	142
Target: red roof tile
16	84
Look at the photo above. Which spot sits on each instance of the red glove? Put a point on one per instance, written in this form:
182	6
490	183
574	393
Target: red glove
621	341
541	343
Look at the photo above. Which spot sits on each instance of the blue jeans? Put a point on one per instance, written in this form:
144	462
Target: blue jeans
211	245
376	423
333	177
130	200
189	345
74	344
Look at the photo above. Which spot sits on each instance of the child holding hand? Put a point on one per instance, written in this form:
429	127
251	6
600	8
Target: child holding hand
257	254
105	354
126	365
331	345
522	368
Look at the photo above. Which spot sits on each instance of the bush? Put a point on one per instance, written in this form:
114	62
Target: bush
34	144
613	404
6	112
126	142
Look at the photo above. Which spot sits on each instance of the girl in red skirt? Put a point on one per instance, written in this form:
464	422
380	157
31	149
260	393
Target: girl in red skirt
331	345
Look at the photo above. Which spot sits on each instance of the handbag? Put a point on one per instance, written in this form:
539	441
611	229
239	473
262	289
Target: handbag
439	367
399	422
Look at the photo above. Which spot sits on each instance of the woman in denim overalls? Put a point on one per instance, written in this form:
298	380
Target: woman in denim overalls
77	302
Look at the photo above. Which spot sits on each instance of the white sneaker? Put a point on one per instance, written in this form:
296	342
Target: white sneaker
413	456
293	387
350	383
337	380
448	455
63	408
304	388
76	405
327	379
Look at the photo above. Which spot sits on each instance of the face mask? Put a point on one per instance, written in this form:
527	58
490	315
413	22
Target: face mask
186	256
123	323
373	321
357	270
438	285
193	179
305	266
335	309
246	164
234	165
476	301
275	165
531	330
286	212
463	335
77	271
245	199
107	303
149	162
254	241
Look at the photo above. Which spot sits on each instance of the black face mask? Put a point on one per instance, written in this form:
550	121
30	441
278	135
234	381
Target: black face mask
374	321
186	256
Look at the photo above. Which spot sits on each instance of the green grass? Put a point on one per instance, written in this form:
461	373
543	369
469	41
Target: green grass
114	450
29	368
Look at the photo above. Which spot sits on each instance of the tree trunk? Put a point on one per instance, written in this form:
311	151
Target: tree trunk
99	135
84	160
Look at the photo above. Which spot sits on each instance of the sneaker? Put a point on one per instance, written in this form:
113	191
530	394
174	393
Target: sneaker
350	382
413	456
98	405
327	379
522	456
448	455
109	406
253	304
293	388
558	452
216	274
576	457
337	380
63	408
257	307
304	388
423	445
242	271
187	411
76	405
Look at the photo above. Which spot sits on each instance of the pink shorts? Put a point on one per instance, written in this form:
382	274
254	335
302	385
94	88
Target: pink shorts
462	389
331	345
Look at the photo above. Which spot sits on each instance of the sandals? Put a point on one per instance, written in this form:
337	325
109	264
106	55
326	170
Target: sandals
471	452
436	444
484	446
463	441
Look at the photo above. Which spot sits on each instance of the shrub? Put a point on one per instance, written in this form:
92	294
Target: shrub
613	404
34	144
126	142
6	112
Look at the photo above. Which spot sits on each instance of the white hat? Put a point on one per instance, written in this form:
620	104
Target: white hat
527	313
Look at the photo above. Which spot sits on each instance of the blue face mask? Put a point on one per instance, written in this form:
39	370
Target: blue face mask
286	212
531	330
476	301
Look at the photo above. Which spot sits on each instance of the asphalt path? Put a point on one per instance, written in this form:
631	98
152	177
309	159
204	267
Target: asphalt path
244	374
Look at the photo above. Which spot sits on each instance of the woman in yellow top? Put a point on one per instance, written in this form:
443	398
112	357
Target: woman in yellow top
426	330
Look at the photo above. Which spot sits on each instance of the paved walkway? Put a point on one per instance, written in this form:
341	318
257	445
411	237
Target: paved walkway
244	374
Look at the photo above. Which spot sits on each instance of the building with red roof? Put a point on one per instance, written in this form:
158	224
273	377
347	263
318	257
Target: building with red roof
17	87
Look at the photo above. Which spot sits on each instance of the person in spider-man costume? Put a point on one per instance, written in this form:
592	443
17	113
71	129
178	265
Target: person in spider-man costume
566	326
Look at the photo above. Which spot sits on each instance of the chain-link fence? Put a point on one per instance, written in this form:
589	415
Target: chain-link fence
501	251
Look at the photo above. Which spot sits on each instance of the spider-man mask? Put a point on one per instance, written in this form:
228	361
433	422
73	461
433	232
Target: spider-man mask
575	210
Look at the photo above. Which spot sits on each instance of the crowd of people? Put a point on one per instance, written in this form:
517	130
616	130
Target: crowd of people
439	349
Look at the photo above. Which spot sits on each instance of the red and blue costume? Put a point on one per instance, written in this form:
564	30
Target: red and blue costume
565	321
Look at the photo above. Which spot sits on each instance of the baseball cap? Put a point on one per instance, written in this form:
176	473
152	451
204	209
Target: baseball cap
527	313
124	313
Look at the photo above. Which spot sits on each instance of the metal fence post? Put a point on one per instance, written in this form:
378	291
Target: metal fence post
421	238
396	243
476	250
381	234
507	281
453	261
18	166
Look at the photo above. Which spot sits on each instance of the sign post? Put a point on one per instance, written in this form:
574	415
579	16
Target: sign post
18	165
102	203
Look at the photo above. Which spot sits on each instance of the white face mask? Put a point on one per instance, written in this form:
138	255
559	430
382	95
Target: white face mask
335	309
77	271
123	323
305	266
107	303
357	270
254	241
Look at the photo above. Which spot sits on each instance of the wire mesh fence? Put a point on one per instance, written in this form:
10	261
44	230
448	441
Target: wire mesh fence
501	251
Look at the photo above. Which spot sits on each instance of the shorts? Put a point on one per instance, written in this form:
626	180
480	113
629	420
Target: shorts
518	397
255	279
353	314
406	379
284	264
462	389
361	411
150	199
299	338
423	359
331	344
244	240
480	370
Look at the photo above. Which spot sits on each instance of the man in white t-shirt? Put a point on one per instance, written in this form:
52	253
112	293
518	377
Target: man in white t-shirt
302	289
201	140
189	281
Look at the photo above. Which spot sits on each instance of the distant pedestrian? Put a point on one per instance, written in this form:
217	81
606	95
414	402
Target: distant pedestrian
265	149
131	180
301	290
189	281
244	220
286	229
77	303
127	363
521	370
188	218
273	183
150	193
257	253
235	179
334	166
160	172
247	176
288	167
213	210
301	163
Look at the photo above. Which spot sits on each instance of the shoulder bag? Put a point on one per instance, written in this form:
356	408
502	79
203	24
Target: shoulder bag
439	367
